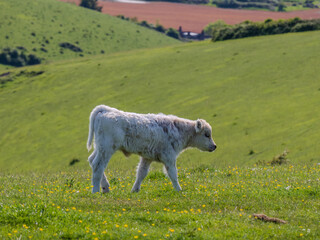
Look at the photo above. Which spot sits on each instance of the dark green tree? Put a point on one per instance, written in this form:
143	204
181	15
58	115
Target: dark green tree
173	33
92	4
160	28
281	7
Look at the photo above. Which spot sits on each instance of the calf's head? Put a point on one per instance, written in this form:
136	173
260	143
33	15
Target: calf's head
203	136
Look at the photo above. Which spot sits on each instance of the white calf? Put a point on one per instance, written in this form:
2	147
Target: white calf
155	137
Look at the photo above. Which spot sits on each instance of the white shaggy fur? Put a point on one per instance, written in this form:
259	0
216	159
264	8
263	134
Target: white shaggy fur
155	137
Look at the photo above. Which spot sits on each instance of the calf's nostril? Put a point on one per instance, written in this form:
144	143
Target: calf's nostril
212	148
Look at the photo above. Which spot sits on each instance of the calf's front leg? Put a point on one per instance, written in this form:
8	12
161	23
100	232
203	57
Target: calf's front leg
173	174
142	171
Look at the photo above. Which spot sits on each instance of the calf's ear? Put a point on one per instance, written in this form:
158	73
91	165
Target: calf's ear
198	126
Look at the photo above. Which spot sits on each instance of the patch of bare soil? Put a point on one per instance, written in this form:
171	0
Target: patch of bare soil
265	218
193	17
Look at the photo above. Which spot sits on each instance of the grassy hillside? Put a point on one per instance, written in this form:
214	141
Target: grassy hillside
259	94
40	26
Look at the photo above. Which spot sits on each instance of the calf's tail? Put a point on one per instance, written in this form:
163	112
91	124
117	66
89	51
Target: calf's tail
94	113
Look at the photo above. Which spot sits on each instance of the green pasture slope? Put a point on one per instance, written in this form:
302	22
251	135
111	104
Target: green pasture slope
261	96
41	25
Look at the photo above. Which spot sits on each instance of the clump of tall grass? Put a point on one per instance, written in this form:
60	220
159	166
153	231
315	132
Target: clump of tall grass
280	159
277	160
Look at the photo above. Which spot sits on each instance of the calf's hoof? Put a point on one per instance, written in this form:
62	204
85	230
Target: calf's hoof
105	190
95	190
135	190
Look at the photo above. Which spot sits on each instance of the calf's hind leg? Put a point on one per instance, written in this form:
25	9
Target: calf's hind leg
142	171
104	182
92	157
98	165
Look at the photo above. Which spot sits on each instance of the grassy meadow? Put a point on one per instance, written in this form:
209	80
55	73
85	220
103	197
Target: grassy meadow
260	95
214	204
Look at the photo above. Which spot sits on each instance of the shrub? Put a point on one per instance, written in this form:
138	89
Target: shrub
305	26
18	59
70	46
280	159
251	152
160	28
134	20
91	4
123	17
281	7
33	59
145	24
208	30
43	50
309	4
74	161
172	33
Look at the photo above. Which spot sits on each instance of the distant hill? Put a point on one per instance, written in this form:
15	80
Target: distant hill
55	30
260	94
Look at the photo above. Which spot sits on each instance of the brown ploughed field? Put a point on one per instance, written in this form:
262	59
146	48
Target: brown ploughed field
193	17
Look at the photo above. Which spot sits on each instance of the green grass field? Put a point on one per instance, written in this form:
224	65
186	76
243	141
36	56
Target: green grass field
40	26
214	204
260	95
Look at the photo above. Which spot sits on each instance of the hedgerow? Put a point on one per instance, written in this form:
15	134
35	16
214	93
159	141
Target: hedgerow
185	1
268	27
268	4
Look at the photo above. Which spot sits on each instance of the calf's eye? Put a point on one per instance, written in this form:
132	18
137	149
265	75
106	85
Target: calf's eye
207	135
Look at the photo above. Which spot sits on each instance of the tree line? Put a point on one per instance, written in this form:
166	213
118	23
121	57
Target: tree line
221	31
